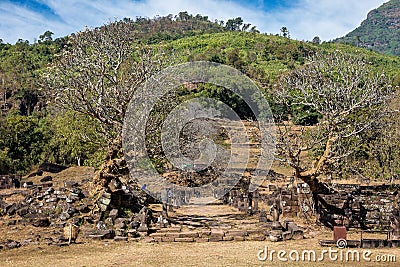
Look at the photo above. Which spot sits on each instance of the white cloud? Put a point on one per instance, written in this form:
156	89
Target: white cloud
307	18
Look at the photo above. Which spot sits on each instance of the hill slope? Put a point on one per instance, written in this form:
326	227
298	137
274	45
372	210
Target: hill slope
380	31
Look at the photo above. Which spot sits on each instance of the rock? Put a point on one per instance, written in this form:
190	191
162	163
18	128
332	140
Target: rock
50	167
120	232
41	222
46	179
10	210
101	226
72	210
105	201
37	173
134	224
263	216
64	216
83	209
120	225
23	211
143	230
10	244
287	235
107	234
113	214
275	235
70	184
103	207
120	238
132	233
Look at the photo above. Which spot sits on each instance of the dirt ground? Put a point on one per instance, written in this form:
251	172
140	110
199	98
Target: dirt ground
101	253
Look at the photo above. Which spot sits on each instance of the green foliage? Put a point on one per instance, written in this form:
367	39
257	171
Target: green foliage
262	57
76	140
225	96
23	142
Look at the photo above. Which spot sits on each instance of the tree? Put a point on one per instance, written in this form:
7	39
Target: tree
350	98
46	36
96	76
234	24
316	40
254	29
246	26
76	140
22	143
285	32
98	73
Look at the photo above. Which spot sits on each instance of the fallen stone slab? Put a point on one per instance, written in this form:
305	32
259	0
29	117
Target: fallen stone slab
107	234
120	238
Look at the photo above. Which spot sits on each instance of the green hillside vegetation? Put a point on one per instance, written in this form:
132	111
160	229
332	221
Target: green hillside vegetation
264	57
34	131
380	31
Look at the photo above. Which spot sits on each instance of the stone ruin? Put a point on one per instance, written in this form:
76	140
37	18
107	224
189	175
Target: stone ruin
10	181
120	211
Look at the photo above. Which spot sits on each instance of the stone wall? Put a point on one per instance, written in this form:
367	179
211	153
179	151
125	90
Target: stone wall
352	205
367	207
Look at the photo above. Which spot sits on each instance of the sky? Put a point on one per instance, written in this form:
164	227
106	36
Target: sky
305	19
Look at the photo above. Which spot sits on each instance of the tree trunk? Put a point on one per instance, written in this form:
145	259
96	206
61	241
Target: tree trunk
311	176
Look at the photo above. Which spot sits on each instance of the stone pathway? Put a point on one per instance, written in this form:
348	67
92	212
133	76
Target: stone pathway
210	223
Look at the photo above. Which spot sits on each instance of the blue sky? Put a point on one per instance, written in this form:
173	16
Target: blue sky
328	19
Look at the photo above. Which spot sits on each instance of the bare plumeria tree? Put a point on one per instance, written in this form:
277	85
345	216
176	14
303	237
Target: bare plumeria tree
99	71
350	98
96	75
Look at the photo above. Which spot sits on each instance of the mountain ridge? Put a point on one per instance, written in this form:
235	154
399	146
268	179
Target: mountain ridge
380	31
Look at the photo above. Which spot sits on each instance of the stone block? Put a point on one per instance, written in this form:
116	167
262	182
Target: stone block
120	238
188	235
184	239
287	235
228	238
156	234
170	229
107	234
113	214
204	233
173	235
236	233
238	238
